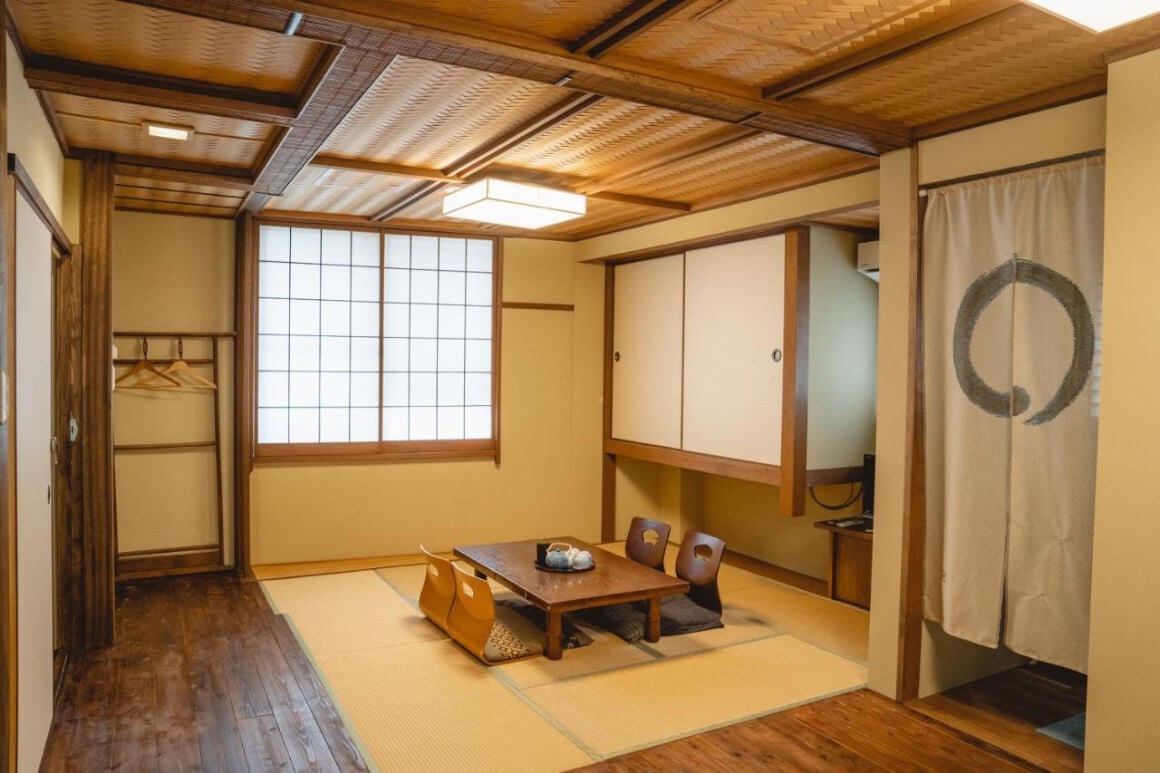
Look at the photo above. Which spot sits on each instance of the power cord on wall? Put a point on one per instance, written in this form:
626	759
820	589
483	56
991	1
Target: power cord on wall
834	508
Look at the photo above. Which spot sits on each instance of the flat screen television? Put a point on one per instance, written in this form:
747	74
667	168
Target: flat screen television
868	486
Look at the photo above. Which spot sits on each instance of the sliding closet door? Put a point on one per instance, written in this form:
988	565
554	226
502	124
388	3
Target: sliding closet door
33	479
734	324
646	366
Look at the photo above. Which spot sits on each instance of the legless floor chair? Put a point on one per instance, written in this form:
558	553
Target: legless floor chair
493	633
647	541
438	592
698	563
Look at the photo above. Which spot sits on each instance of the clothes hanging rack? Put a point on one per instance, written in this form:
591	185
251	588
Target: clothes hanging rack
212	557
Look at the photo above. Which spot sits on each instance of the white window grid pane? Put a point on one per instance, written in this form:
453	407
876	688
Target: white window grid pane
274	243
305	245
435	323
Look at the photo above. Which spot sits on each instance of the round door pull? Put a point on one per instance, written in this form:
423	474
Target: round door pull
616	356
777	355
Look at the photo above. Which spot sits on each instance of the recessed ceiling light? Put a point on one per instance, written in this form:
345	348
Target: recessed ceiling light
1099	16
516	204
169	131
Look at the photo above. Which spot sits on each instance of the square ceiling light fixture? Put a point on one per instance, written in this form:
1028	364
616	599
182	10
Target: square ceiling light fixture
167	131
516	204
1099	15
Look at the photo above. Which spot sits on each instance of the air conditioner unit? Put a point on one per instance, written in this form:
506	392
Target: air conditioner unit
868	260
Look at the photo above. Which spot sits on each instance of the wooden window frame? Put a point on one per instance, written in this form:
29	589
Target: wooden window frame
381	450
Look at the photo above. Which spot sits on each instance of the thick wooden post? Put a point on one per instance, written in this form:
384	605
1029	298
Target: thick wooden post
96	422
795	372
245	280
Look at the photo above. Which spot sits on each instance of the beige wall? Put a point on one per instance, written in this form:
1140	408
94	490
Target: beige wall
30	137
173	273
1060	132
1124	682
548	482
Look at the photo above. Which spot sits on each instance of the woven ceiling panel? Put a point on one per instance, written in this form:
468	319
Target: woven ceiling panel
759	163
96	123
165	43
759	41
607	136
339	192
1021	54
557	19
426	114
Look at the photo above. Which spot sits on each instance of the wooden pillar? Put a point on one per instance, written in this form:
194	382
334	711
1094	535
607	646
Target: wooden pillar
96	524
244	375
7	512
795	372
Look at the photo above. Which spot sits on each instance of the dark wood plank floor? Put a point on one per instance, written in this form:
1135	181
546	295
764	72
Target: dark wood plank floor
859	731
1005	710
204	676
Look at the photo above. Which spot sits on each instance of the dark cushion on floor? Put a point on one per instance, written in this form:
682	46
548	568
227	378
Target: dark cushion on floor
624	620
680	614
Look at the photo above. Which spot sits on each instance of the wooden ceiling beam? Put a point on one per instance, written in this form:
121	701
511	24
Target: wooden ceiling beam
959	23
331	161
193	174
64	76
423	34
629	22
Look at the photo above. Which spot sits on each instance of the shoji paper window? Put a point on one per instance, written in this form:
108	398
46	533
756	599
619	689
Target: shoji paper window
370	338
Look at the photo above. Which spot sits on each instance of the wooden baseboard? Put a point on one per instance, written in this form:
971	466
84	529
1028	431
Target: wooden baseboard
774	572
335	566
137	566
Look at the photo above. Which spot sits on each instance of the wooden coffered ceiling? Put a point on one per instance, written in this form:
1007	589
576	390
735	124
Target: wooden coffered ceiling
372	111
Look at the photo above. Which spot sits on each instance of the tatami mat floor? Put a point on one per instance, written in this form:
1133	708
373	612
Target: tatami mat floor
416	701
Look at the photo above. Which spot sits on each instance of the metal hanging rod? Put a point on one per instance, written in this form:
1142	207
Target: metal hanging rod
172	334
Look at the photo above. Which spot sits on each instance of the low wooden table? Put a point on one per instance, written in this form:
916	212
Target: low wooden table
614	580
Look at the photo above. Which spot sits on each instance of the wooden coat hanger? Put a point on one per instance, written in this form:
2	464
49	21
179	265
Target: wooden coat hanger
180	367
146	373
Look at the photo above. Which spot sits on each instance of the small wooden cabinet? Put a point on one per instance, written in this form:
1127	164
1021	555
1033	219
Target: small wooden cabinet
851	556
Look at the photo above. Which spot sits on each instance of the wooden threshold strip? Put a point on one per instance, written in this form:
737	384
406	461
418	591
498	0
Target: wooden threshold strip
539	306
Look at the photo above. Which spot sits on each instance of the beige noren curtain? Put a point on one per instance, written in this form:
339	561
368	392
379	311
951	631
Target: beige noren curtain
1012	269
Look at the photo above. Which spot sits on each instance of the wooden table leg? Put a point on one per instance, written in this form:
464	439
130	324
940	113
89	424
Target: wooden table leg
555	634
652	631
